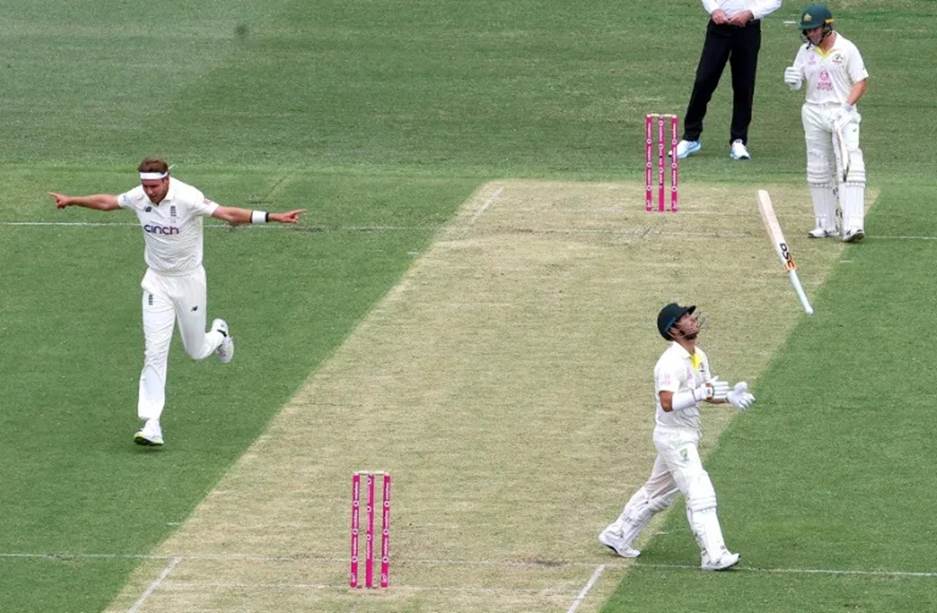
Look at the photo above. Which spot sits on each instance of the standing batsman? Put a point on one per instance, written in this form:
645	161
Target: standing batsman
682	379
836	79
174	286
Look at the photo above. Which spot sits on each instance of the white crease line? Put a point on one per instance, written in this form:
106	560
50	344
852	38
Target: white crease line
905	238
546	564
344	587
101	224
803	571
210	226
585	590
487	204
627	231
155	585
83	556
91	224
299	557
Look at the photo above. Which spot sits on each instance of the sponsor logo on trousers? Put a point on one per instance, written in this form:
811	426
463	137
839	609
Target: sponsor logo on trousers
155	229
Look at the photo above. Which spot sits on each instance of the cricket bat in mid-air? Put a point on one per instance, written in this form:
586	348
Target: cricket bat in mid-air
780	246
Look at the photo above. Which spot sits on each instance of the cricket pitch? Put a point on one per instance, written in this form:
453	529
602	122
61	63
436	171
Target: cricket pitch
506	383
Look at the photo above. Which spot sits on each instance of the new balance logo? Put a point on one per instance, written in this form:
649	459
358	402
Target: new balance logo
155	229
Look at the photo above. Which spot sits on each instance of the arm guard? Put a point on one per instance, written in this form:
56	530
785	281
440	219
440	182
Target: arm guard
690	398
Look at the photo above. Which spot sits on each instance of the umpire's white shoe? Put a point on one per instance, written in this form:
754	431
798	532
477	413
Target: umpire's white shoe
614	541
686	148
726	560
225	350
150	434
738	151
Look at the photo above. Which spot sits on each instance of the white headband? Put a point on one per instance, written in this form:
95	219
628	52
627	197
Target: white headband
153	176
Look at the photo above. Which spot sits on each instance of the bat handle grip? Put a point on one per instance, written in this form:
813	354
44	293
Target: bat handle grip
795	281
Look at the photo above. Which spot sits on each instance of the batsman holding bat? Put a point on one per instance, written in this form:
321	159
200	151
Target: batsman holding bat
682	379
836	79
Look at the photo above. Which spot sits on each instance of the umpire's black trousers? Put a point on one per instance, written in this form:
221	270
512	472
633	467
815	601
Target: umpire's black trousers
738	46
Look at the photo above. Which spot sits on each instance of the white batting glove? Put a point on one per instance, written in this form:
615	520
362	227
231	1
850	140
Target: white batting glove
703	392
793	78
843	116
740	397
714	389
720	388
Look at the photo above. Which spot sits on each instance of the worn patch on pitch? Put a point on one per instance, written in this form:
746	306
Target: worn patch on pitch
506	383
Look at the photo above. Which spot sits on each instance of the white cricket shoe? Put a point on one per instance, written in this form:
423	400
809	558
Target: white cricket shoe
726	561
738	151
150	434
853	236
686	148
225	350
614	541
819	232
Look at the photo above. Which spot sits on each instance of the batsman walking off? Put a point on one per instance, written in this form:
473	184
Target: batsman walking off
174	286
682	379
836	79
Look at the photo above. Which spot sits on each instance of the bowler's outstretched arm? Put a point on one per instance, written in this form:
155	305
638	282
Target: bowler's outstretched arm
236	215
101	202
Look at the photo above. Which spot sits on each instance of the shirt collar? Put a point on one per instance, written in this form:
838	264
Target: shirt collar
694	359
171	192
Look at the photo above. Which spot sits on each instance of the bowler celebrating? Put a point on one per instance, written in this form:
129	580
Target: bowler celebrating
174	286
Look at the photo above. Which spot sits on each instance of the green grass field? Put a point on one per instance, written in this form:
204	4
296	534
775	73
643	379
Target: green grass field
382	119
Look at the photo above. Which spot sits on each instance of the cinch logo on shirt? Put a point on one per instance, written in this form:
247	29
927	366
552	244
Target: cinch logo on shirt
164	230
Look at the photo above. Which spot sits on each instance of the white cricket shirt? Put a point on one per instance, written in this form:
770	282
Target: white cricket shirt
678	371
172	229
759	8
830	74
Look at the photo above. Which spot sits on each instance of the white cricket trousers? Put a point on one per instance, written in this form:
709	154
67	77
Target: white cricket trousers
677	468
167	299
678	462
824	163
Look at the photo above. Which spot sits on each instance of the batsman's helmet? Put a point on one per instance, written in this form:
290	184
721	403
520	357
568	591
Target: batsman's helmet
669	316
816	16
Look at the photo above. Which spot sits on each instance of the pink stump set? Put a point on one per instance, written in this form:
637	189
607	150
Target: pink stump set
370	478
659	121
